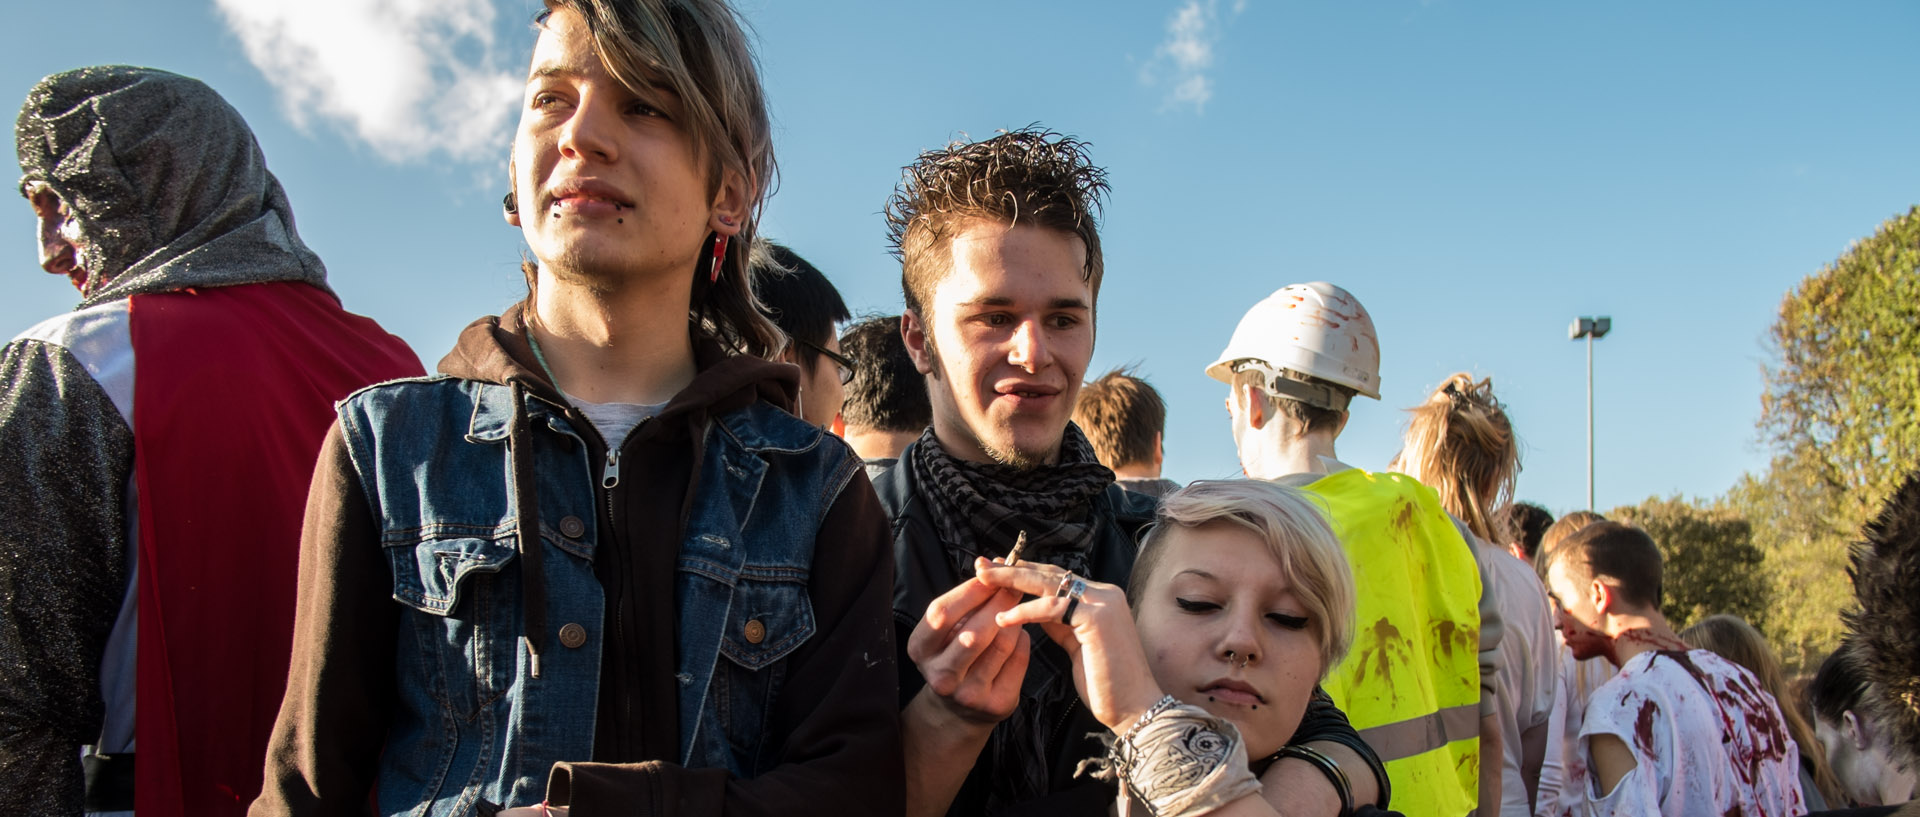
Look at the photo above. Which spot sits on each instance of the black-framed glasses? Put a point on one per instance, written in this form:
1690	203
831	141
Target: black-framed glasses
840	361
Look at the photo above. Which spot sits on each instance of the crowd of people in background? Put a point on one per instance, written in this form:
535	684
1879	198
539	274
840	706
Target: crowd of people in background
677	534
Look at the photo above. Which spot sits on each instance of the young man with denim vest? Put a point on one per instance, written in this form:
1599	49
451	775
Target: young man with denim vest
1001	265
598	557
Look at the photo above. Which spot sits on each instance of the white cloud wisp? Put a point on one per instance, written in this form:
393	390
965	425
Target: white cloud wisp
411	78
1183	59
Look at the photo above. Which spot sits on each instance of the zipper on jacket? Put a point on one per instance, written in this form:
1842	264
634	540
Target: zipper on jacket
610	473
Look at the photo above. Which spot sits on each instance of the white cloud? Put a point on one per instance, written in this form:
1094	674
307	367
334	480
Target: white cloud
1181	62
410	78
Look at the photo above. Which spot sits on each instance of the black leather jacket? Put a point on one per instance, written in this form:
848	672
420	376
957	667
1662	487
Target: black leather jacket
1059	730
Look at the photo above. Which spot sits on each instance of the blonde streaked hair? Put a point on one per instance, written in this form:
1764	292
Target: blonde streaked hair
699	49
1297	535
1460	443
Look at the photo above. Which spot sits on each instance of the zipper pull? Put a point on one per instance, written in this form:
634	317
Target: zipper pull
610	476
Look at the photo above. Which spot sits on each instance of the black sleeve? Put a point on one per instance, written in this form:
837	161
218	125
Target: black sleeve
65	457
1324	721
325	750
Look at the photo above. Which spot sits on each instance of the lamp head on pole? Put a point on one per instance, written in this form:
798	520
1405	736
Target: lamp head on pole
1595	328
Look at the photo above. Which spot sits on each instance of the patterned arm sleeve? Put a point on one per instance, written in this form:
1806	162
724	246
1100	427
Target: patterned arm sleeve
65	456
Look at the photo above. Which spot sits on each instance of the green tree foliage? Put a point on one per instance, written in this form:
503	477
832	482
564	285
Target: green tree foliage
1708	561
1842	400
1842	412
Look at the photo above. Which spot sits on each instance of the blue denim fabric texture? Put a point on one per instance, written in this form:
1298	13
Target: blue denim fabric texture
432	458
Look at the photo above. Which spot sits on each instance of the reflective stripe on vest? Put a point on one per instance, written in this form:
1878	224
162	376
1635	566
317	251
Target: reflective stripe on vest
1425	733
1411	682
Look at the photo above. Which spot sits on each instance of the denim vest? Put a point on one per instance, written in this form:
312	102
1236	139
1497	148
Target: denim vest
472	722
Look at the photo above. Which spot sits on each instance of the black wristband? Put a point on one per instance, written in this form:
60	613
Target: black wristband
1328	767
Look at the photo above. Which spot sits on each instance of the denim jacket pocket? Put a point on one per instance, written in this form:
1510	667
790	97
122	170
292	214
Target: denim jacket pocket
462	607
766	622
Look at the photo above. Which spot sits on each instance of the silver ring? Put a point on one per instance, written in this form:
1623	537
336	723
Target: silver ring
1078	589
1066	585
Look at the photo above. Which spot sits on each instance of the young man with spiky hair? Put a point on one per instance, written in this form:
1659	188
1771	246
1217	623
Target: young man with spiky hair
1001	266
1125	419
598	562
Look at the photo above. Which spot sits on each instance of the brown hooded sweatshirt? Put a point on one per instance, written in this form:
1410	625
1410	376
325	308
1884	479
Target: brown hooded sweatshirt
835	721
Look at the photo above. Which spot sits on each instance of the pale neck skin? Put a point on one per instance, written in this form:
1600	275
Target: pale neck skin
621	341
1638	631
1269	445
873	444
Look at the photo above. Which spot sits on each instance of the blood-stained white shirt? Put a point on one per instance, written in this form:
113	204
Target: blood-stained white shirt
1707	740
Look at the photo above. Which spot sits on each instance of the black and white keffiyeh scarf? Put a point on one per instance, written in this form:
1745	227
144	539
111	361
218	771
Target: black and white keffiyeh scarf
981	508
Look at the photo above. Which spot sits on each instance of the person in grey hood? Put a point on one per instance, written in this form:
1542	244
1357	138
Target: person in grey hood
167	505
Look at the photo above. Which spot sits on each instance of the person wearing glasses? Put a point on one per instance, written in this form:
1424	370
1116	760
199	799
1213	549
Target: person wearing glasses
804	304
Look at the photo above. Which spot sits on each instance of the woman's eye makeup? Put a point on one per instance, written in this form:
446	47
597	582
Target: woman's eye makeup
1194	606
1289	622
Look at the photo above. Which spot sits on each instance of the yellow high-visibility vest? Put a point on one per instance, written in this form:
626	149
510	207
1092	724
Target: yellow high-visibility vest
1411	682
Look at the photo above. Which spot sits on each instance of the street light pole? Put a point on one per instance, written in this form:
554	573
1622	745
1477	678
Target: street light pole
1592	329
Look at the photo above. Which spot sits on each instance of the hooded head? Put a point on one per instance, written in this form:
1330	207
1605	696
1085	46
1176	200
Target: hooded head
162	181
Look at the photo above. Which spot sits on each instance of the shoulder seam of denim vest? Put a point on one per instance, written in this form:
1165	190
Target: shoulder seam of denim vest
466	537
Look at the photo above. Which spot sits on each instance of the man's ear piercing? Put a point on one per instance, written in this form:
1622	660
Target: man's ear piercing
727	220
510	204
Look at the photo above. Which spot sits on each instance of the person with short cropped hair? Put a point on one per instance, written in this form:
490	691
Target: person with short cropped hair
1461	443
1126	421
886	407
1001	269
1242	568
806	306
599	562
1526	523
1868	765
1678	731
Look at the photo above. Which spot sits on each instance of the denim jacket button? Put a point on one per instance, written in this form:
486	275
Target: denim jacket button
755	631
571	527
573	635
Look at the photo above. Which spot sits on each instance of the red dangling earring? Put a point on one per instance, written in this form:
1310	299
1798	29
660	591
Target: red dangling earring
719	255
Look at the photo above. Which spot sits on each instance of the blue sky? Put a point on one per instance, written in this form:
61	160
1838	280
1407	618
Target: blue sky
1478	174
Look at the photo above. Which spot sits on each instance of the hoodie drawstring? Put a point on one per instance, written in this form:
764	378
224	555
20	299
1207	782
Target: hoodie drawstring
533	579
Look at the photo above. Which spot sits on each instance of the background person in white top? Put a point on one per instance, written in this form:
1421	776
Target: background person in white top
1677	731
1461	444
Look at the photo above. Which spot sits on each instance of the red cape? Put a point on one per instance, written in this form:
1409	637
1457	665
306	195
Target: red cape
233	395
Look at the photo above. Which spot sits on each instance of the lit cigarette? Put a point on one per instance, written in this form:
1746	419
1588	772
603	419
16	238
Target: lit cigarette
1020	544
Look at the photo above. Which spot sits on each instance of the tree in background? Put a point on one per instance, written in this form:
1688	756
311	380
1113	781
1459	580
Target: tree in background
1708	560
1842	411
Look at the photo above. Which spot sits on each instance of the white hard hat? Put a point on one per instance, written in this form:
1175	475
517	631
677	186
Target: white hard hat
1315	330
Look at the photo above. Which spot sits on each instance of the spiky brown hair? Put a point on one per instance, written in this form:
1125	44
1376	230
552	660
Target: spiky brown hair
1026	176
1886	625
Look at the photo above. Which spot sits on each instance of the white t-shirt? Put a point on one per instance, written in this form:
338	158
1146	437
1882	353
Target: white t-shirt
1705	737
1525	679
